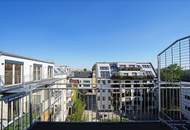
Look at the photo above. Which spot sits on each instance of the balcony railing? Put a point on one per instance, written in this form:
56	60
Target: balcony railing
60	102
53	103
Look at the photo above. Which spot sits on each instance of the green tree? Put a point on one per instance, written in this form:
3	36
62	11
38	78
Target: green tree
85	69
171	73
94	67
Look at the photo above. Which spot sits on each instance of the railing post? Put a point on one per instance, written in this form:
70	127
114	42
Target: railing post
1	115
159	90
30	107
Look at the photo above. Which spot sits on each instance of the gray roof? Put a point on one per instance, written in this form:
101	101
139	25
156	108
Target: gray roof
23	57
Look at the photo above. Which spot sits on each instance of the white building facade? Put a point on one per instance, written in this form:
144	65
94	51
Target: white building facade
110	74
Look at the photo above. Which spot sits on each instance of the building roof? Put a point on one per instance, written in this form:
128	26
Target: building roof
23	57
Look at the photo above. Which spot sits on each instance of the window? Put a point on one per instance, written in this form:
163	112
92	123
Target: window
187	97
8	74
99	98
104	68
86	81
134	74
105	74
109	107
187	108
109	98
50	71
17	74
146	66
13	72
103	82
149	73
86	85
126	74
109	81
37	72
103	98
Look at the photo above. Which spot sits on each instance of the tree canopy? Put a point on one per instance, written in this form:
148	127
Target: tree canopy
171	73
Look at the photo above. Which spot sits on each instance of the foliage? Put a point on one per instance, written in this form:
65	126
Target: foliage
94	67
77	109
171	73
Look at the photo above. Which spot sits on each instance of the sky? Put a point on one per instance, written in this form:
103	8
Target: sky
79	33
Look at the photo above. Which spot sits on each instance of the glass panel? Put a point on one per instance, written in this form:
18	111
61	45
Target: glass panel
39	73
50	72
8	74
16	108
34	73
17	74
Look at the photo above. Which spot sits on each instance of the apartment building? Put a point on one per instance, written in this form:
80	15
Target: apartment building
20	75
117	83
83	78
84	82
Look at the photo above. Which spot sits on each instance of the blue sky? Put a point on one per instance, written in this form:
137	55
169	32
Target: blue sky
79	33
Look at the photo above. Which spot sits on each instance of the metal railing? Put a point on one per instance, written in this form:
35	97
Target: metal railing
67	103
174	83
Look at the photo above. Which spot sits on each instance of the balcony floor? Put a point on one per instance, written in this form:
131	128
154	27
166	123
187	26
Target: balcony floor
98	126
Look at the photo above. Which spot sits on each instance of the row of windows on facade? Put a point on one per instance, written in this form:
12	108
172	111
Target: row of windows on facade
127	81
106	74
14	73
124	66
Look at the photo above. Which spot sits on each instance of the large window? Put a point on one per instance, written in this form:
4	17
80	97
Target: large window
105	74
13	72
8	74
37	72
17	74
50	71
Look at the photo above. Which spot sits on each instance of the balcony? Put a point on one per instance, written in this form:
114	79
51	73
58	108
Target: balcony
30	111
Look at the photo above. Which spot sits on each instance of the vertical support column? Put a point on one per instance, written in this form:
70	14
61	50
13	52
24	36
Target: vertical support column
180	102
8	115
13	74
49	104
22	74
1	115
159	89
120	101
189	53
30	107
